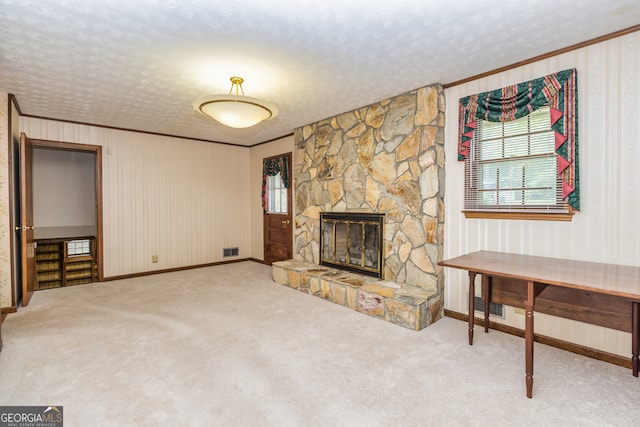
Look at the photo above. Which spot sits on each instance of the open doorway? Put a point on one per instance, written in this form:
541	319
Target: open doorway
64	227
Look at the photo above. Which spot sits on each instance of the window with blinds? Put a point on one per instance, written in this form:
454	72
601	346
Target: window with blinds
512	167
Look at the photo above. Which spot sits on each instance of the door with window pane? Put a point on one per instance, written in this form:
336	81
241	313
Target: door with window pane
278	235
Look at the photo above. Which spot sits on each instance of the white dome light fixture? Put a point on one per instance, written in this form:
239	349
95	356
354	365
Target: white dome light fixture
235	110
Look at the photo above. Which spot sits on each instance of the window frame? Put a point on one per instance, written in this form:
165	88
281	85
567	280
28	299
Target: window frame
275	185
472	168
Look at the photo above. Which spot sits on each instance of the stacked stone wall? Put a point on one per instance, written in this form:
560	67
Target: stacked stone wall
388	158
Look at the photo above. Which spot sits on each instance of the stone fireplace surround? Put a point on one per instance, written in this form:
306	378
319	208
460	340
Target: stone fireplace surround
388	158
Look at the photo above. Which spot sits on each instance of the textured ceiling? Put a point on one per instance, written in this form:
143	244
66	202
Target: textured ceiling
139	64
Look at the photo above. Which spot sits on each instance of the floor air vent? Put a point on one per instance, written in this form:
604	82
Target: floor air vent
230	252
496	310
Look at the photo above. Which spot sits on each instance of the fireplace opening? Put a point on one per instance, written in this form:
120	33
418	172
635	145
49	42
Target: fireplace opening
353	242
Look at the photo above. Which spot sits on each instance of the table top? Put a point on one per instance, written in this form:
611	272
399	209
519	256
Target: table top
611	279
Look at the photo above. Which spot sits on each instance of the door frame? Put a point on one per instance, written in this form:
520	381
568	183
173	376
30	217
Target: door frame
97	150
14	203
27	247
289	216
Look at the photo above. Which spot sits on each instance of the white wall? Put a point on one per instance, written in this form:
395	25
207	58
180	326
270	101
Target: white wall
258	153
64	188
607	228
180	199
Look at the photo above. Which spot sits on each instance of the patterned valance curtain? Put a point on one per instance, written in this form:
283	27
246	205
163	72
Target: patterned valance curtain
272	167
558	90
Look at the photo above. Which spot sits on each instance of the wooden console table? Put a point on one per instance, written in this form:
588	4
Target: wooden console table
602	294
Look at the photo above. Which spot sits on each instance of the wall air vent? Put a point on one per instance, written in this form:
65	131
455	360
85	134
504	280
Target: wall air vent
495	310
226	252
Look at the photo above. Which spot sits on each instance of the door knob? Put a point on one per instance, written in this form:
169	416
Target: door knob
286	222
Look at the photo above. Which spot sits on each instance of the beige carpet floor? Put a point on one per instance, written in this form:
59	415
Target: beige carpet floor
226	346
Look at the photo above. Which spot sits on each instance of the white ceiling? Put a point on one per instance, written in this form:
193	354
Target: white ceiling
139	64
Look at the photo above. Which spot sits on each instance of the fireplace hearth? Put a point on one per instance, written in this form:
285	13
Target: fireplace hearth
353	242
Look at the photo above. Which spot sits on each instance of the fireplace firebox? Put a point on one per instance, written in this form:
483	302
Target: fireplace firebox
353	242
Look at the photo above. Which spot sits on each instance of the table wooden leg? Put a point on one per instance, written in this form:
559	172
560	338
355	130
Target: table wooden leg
528	335
472	291
486	296
635	337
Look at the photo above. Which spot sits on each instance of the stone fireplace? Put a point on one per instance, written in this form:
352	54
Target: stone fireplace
386	158
353	242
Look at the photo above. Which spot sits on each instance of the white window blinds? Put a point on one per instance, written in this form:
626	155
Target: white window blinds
512	166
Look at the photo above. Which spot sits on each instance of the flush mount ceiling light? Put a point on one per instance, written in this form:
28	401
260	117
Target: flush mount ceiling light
235	110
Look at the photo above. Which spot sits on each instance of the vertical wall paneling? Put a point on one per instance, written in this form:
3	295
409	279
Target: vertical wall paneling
607	229
180	199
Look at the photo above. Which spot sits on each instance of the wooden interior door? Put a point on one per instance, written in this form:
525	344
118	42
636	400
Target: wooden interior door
26	219
278	226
